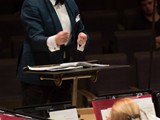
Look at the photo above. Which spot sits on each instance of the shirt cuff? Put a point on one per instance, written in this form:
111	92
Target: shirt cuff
51	43
81	47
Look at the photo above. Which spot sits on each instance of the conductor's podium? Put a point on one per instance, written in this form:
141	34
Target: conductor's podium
58	73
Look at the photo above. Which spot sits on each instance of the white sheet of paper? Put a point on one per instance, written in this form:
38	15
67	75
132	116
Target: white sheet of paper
66	66
67	114
146	105
105	113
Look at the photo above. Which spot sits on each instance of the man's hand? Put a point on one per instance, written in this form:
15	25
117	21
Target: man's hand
61	38
82	38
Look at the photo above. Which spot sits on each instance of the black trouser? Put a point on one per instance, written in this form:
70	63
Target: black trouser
38	95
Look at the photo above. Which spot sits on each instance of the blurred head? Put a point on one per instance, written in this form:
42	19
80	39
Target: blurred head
125	109
147	6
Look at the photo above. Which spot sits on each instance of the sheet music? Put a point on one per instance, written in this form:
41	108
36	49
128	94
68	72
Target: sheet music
85	64
53	68
105	113
147	106
67	114
65	66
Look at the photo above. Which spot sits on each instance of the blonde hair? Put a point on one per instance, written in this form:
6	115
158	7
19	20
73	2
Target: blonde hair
125	109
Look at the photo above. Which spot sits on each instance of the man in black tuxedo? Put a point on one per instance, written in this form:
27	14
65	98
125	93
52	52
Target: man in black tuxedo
51	27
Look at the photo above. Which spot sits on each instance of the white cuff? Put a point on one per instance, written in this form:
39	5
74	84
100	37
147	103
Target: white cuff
51	43
81	48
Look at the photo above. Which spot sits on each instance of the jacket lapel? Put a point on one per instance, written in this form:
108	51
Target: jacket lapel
53	14
71	15
72	18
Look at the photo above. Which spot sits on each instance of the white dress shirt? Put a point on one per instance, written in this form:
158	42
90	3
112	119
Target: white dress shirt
66	26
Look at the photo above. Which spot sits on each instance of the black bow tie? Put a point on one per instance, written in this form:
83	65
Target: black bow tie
59	2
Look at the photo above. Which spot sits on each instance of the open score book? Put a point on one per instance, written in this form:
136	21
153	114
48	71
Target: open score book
66	66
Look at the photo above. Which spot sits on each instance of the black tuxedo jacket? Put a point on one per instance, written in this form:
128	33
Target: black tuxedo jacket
41	21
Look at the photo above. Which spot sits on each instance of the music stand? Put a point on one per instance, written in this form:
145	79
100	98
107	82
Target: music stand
42	110
7	114
74	74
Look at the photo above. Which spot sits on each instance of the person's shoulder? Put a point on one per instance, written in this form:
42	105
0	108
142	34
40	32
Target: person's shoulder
70	0
33	2
72	3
